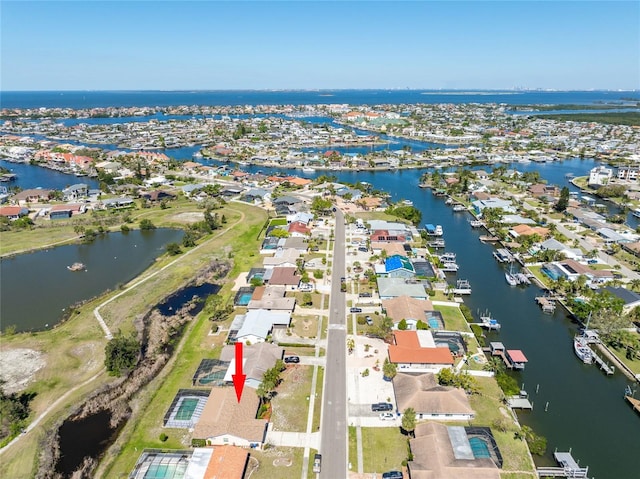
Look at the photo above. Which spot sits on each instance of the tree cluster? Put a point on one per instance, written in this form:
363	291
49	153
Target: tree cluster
121	355
14	411
270	381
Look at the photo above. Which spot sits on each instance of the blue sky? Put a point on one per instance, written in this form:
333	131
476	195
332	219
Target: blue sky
116	45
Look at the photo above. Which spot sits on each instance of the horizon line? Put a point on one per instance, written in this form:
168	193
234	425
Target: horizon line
275	90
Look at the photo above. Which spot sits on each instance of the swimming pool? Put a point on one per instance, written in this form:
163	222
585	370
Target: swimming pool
479	448
186	408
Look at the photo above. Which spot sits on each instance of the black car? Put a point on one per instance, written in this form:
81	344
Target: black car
364	295
291	359
355	310
392	475
382	406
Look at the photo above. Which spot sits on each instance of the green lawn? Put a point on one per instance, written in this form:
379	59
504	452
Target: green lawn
315	426
353	448
489	411
453	318
634	365
540	276
291	403
384	449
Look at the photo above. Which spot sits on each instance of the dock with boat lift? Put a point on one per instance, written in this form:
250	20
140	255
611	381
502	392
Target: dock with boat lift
547	304
592	338
503	255
568	467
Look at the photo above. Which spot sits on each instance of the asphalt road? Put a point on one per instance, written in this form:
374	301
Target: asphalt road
333	430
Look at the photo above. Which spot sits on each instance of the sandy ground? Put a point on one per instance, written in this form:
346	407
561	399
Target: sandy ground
192	217
18	368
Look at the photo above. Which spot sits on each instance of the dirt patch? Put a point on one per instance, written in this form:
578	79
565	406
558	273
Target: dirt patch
18	368
192	217
283	461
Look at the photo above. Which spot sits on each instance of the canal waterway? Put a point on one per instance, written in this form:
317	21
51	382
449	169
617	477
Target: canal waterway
38	289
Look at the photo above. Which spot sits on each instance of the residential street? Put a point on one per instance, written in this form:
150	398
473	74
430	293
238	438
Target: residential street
334	440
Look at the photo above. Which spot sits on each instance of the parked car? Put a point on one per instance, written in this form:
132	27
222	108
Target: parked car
317	463
369	320
292	359
355	310
364	295
382	406
387	416
392	475
364	249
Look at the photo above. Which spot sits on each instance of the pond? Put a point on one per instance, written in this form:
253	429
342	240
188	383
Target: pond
38	288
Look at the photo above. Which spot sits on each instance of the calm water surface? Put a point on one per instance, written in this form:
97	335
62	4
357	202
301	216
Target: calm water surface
37	287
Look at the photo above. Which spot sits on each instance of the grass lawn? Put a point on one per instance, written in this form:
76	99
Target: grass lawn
291	403
353	448
453	318
276	463
316	299
634	365
540	276
384	449
490	411
378	215
315	426
305	326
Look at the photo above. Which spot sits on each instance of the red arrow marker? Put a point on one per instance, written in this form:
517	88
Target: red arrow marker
238	377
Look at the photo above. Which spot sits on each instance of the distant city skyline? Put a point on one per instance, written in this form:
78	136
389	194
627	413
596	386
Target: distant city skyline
306	45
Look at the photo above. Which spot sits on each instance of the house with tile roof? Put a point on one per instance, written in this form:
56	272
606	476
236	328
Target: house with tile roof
430	400
416	351
225	421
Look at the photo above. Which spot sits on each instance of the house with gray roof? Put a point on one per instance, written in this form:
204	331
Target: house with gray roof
254	326
389	288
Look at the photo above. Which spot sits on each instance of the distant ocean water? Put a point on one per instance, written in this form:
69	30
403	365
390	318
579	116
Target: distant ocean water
97	99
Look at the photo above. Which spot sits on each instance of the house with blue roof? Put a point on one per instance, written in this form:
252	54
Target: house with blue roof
396	266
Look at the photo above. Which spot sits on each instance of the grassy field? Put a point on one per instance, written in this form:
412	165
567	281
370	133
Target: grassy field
317	410
74	350
453	318
384	449
353	448
291	403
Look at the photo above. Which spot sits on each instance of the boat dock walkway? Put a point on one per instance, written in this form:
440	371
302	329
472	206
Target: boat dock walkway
568	467
548	305
635	403
520	402
600	362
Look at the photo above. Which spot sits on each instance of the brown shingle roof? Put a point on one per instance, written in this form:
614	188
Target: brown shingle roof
425	395
284	275
223	414
433	457
406	307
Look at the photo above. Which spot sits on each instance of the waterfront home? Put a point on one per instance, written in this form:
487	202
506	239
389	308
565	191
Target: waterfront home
453	451
13	212
389	288
628	173
405	307
396	266
631	298
368	203
505	205
516	219
600	176
416	351
383	236
256	360
430	400
32	195
282	257
227	421
254	326
75	192
555	245
526	230
389	248
542	190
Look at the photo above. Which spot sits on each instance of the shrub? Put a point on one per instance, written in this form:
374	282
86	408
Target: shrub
163	437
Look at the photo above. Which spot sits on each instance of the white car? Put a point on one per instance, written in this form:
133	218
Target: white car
387	416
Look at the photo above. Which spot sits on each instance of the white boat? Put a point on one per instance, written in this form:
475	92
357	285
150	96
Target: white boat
459	207
582	350
488	322
476	223
308	169
510	277
76	267
438	231
407	202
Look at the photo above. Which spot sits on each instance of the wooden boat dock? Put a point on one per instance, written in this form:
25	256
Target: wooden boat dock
635	403
488	239
513	358
547	304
